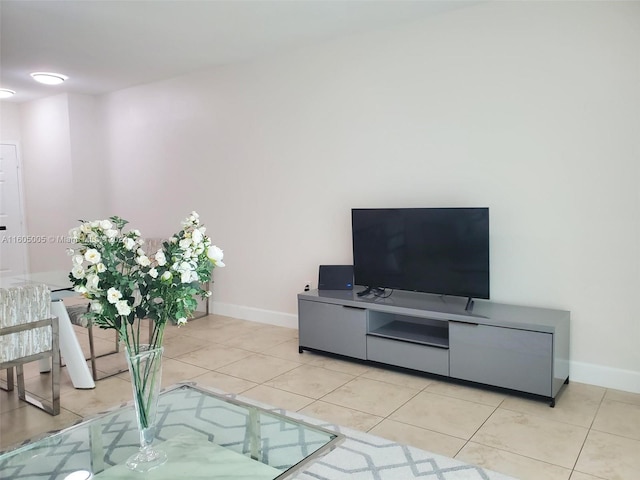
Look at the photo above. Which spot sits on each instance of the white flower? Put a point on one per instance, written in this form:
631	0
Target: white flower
143	261
123	307
191	220
140	252
92	282
166	276
105	224
187	271
74	233
185	242
113	295
70	251
91	237
96	307
153	273
111	233
160	258
129	243
85	228
196	237
77	271
77	259
92	256
81	289
216	255
101	268
173	239
207	293
181	321
136	232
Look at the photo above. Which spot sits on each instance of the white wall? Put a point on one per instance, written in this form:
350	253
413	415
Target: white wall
64	174
47	178
10	123
529	108
89	172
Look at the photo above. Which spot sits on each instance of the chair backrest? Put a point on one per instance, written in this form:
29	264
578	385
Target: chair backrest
77	314
152	245
20	306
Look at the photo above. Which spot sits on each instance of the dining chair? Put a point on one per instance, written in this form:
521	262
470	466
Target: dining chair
28	333
77	316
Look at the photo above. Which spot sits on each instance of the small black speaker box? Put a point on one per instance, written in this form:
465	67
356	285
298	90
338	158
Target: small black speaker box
335	277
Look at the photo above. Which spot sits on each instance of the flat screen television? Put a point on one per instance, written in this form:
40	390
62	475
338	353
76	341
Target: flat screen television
432	250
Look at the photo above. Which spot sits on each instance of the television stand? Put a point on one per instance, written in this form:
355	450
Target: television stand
523	349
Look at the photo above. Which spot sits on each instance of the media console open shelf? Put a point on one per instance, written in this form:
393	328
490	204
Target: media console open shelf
414	333
514	347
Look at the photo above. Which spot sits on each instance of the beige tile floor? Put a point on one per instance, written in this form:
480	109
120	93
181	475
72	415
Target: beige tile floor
592	433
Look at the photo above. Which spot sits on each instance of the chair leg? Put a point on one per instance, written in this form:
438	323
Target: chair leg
93	356
94	369
206	308
20	375
52	407
9	387
55	373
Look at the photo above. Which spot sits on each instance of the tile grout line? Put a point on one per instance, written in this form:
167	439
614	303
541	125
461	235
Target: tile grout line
584	442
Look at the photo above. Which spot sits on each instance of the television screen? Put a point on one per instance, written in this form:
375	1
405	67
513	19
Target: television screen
432	250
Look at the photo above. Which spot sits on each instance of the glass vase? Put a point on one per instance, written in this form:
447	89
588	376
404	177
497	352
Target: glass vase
146	375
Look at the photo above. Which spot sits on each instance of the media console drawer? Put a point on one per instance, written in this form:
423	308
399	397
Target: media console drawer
332	328
516	359
424	358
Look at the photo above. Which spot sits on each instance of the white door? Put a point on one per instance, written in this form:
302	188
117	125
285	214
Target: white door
13	242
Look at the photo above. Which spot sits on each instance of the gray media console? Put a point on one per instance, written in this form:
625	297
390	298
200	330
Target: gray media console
518	348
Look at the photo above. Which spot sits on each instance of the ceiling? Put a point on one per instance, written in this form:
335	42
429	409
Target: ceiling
108	45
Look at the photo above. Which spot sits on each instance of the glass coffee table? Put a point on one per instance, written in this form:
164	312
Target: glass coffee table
205	435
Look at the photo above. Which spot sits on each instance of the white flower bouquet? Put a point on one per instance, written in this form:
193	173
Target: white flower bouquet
126	284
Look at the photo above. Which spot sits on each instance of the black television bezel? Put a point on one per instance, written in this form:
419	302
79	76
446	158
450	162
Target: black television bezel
483	293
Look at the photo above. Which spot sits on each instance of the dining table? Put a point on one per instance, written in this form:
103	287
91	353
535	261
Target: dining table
60	287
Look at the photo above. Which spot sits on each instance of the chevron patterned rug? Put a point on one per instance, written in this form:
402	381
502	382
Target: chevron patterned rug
366	457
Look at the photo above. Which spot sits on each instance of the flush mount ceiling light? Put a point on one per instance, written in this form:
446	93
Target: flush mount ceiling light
49	78
6	93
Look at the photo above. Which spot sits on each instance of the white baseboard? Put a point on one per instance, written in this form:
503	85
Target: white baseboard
616	378
602	376
259	315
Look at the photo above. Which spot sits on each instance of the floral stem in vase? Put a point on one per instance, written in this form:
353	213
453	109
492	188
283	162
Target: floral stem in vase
146	373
